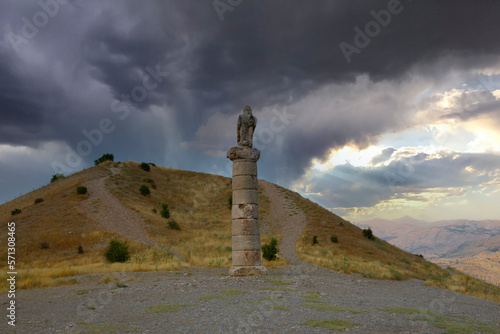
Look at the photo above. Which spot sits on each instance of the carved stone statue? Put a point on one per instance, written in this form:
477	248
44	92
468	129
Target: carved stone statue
246	127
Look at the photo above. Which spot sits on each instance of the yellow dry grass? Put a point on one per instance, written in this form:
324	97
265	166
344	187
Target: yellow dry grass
467	285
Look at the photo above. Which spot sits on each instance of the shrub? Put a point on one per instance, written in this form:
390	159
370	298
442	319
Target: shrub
172	224
80	249
38	200
105	157
145	166
144	189
117	251
165	212
270	251
154	210
44	245
368	234
334	239
15	212
56	177
315	240
81	190
230	201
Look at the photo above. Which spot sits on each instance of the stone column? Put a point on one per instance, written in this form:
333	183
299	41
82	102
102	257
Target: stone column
245	213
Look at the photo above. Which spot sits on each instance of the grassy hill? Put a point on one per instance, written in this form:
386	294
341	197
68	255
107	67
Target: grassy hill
52	225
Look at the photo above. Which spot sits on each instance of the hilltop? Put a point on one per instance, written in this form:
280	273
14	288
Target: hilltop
55	220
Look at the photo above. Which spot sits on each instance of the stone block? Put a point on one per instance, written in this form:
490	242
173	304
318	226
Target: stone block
245	196
245	227
245	211
244	168
245	182
246	258
245	242
245	271
243	153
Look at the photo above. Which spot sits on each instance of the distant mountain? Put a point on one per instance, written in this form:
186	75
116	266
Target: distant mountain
468	245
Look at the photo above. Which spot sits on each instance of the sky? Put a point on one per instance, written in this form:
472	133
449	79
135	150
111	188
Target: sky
369	108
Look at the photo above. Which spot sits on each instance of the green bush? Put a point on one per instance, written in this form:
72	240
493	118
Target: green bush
144	189
315	240
56	177
15	212
105	157
172	224
165	212
230	201
81	190
145	166
334	239
80	249
117	251
270	251
368	234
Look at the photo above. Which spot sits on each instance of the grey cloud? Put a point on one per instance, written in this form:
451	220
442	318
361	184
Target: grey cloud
384	156
349	186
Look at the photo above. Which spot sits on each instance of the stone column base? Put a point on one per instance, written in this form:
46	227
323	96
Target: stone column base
247	270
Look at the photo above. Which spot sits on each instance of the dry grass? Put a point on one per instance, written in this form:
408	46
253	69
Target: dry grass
467	285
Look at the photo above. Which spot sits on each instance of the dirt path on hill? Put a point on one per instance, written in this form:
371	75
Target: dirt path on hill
107	210
289	222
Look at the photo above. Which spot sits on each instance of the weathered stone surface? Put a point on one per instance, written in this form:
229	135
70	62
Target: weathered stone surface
245	182
245	271
245	242
245	211
245	196
245	226
245	127
241	167
246	258
243	153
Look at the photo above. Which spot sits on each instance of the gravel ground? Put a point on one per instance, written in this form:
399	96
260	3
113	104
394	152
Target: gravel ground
208	301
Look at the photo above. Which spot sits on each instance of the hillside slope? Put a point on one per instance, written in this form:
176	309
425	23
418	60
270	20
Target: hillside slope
470	246
50	231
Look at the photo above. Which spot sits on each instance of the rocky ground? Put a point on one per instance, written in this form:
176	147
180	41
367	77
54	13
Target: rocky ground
293	299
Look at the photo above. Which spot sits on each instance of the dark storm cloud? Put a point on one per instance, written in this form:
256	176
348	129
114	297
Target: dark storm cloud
349	186
91	53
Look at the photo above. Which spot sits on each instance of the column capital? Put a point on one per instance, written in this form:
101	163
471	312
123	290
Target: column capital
243	153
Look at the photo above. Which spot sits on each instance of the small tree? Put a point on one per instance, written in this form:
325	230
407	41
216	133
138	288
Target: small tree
56	177
81	190
117	251
368	234
334	239
315	240
165	212
105	157
145	166
80	249
270	251
15	212
144	189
